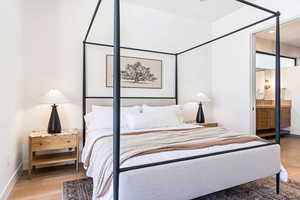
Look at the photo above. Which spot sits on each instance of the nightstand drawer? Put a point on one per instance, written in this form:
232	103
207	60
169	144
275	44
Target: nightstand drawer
54	142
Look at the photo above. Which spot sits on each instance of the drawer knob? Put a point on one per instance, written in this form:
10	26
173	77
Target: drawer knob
68	141
41	144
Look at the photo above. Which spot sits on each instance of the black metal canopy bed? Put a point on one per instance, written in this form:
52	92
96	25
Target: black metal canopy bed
159	174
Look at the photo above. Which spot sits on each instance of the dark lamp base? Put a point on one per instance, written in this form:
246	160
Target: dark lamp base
54	126
200	115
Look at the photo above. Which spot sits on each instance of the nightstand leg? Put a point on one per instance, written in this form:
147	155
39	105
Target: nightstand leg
77	159
77	167
30	171
77	153
30	156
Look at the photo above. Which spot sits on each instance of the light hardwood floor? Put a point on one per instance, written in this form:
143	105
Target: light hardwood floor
290	156
46	184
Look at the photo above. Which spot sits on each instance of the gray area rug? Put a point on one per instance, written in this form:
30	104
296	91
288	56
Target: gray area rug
264	189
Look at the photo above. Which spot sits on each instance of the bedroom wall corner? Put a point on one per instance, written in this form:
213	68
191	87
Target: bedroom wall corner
11	86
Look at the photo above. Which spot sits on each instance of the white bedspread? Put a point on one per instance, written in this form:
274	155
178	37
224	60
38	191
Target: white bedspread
151	158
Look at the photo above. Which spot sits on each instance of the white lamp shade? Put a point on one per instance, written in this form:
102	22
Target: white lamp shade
54	96
203	97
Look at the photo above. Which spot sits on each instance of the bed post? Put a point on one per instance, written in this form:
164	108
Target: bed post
84	70
83	92
116	101
176	78
278	93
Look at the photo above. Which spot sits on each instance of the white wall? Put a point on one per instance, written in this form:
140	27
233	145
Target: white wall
260	83
11	82
195	76
290	81
231	66
54	31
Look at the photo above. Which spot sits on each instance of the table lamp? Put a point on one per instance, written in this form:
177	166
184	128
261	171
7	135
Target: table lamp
200	114
54	97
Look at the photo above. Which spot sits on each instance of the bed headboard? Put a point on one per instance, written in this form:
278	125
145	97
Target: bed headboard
127	101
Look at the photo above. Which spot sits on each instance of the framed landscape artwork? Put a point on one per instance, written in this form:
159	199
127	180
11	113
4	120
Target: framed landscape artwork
136	72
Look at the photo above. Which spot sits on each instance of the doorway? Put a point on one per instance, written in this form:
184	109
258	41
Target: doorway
290	90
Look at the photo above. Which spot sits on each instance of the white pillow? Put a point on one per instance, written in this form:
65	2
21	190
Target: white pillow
177	108
152	119
89	121
101	117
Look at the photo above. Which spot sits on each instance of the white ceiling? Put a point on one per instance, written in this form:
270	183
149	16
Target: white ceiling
210	10
290	33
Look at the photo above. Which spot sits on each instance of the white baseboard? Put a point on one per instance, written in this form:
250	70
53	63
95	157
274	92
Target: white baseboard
11	183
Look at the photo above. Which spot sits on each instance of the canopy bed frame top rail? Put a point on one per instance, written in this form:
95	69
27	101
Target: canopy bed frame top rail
117	97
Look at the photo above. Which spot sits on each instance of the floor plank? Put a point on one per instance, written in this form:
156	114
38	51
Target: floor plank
46	183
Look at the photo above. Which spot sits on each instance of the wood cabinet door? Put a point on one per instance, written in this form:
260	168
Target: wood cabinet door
265	118
285	117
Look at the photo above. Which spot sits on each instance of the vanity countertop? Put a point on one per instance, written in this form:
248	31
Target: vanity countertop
272	106
271	103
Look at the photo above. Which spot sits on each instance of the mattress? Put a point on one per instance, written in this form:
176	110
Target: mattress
193	178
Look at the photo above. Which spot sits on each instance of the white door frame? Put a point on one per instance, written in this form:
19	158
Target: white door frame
253	83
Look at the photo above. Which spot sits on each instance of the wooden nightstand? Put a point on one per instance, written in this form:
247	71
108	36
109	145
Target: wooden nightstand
207	124
40	141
